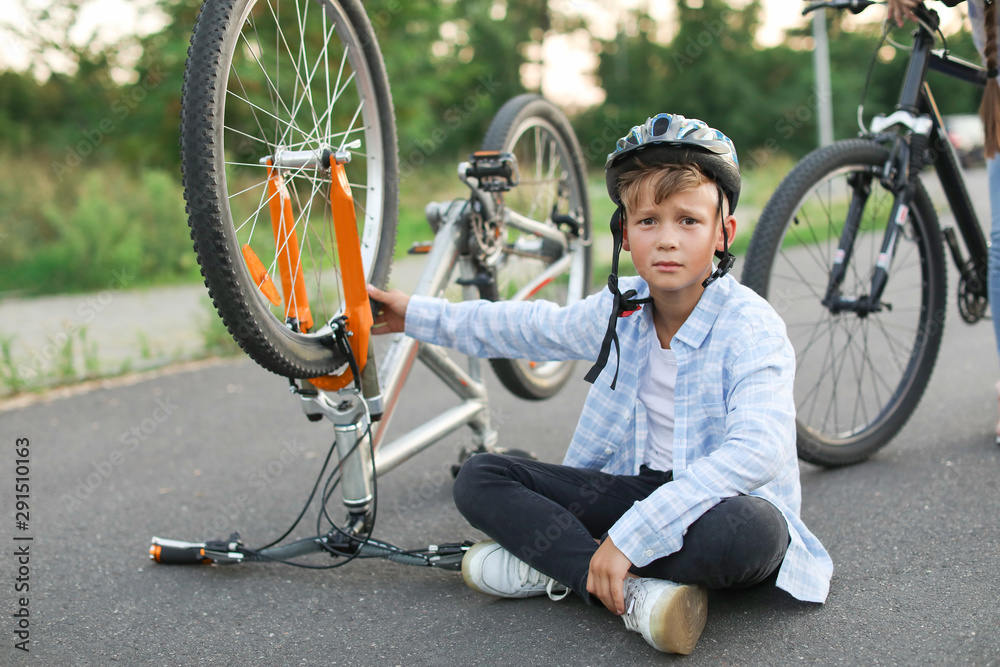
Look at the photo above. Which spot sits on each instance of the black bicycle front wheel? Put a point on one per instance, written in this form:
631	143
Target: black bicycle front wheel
859	377
552	186
266	79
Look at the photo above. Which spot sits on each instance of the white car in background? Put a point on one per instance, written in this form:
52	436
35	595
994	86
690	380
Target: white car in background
965	131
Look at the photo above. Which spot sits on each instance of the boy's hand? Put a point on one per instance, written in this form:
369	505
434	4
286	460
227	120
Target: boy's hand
900	10
392	315
606	579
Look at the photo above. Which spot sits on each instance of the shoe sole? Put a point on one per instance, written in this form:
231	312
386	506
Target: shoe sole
466	565
676	621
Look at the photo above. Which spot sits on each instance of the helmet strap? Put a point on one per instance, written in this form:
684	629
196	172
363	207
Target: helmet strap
622	305
726	260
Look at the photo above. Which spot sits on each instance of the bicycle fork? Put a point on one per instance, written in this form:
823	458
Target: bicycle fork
864	304
897	175
352	427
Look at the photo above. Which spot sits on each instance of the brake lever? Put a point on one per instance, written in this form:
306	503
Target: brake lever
855	6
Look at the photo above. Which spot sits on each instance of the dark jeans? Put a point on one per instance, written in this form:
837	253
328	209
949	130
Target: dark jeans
548	516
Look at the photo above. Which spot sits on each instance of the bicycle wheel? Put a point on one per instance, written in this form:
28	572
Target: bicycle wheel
268	80
528	265
858	377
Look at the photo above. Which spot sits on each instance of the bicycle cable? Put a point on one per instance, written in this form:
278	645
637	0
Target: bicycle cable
305	508
324	497
886	30
363	541
868	77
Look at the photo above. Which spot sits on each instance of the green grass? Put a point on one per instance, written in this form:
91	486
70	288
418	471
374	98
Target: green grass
10	375
75	359
106	226
99	227
216	339
432	183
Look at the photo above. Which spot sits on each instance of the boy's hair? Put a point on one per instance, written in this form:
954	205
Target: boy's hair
664	180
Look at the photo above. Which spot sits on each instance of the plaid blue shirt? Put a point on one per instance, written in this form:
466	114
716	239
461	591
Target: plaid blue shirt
734	421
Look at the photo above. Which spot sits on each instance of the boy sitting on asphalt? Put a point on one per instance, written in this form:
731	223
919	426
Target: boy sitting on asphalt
682	473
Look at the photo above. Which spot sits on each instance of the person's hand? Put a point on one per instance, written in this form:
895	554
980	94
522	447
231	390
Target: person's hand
900	10
392	315
606	579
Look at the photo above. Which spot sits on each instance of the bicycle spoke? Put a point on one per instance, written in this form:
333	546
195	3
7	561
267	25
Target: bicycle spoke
859	402
255	215
803	281
252	110
272	90
255	185
802	353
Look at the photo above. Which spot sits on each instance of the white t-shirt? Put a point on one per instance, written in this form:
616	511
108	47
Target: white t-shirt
656	391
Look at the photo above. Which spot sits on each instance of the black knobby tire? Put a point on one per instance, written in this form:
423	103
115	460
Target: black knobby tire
260	79
542	139
858	379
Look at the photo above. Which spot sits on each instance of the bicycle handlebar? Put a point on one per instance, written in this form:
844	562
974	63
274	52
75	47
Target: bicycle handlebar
176	552
855	6
927	17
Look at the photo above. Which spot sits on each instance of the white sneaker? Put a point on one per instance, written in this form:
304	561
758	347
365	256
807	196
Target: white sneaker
670	616
490	569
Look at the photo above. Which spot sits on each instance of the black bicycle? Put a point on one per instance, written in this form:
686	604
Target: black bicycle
849	252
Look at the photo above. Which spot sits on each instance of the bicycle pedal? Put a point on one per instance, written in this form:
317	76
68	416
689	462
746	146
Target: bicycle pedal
419	248
482	279
495	171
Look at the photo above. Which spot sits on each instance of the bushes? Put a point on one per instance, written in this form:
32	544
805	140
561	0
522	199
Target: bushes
98	224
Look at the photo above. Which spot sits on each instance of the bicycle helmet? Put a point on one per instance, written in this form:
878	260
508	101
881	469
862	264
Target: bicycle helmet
664	139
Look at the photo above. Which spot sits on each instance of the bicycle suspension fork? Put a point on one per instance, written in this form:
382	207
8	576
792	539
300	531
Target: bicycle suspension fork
898	181
898	175
352	438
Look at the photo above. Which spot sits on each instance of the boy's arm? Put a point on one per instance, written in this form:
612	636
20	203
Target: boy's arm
759	441
533	330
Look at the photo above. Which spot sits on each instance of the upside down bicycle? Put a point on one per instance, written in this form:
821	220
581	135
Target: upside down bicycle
291	182
849	251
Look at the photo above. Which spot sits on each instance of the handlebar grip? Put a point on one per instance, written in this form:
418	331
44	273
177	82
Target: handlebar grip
174	552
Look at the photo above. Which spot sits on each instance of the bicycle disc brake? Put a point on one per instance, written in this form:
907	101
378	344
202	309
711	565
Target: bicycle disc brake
487	229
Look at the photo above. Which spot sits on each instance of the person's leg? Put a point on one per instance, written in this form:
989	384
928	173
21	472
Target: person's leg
545	514
739	542
993	173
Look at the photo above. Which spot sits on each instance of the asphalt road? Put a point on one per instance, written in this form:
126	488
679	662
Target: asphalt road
912	532
196	454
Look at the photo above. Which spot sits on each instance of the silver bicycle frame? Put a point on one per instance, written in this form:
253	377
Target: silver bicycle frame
349	413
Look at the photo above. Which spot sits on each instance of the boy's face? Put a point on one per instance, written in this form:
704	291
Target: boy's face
673	242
